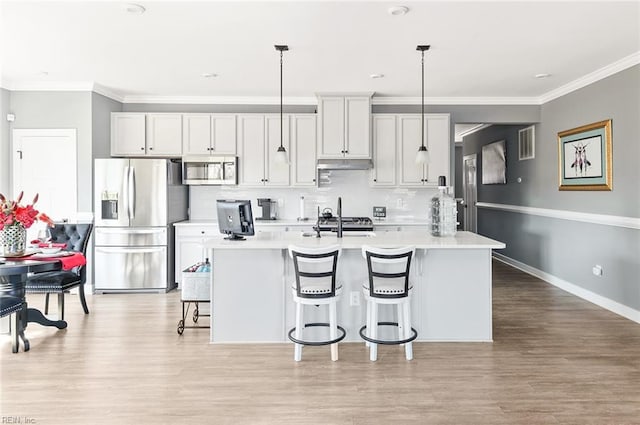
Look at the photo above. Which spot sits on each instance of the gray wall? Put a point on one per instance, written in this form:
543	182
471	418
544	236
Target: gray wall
48	110
101	108
5	138
563	248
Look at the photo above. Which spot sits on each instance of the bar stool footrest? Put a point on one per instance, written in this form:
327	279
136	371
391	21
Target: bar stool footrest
386	341
317	343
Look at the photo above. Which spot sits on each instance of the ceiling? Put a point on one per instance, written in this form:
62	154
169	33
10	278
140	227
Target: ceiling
480	51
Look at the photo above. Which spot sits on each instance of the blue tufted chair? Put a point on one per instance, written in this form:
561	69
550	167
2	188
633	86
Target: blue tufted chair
10	305
76	237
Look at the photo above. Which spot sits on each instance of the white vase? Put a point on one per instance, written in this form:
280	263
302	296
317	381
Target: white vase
13	240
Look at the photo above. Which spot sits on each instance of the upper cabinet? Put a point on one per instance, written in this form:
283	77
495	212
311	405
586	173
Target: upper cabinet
209	134
140	134
344	126
384	150
303	150
258	141
437	131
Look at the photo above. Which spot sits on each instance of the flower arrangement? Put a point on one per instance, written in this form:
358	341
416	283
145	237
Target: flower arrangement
12	213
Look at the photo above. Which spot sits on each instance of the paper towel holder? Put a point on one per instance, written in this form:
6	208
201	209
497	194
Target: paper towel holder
302	216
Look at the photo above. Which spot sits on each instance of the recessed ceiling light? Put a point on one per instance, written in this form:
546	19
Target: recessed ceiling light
398	10
209	75
542	75
376	75
43	73
134	9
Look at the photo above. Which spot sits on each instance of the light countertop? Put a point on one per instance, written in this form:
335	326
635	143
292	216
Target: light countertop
290	222
351	240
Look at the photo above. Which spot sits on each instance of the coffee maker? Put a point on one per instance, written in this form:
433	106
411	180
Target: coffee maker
268	206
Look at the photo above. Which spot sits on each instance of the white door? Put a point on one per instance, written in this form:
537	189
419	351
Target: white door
470	193
45	162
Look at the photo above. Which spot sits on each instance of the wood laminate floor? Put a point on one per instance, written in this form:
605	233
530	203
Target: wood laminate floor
554	359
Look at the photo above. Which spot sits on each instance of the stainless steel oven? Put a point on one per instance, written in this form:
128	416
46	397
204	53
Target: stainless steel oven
210	170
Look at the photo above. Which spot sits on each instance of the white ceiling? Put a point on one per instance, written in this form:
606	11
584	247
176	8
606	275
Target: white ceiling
481	51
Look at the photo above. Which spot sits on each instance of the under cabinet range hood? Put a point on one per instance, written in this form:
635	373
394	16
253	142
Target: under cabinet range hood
345	164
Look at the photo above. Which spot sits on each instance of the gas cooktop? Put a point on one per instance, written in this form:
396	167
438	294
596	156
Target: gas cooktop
348	224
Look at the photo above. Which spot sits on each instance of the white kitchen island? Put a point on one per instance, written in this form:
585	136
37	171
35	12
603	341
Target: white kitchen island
251	297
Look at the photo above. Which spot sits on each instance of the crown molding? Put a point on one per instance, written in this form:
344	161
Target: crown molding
600	74
472	130
104	91
48	85
221	100
456	101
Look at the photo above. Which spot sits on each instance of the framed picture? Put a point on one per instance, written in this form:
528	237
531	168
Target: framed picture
494	163
584	157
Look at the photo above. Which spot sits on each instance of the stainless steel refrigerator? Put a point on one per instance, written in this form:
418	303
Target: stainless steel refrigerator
136	201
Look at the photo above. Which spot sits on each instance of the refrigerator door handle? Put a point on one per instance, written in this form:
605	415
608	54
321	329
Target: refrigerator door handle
125	190
132	192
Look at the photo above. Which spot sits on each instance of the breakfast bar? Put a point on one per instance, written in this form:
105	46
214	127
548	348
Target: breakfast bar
251	298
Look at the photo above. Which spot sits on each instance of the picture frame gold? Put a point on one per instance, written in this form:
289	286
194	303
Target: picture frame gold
585	157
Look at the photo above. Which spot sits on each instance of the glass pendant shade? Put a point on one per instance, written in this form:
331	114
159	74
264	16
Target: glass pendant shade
423	155
281	156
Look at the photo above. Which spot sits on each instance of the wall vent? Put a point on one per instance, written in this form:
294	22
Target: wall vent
526	143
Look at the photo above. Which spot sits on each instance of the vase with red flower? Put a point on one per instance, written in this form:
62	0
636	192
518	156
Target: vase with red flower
15	219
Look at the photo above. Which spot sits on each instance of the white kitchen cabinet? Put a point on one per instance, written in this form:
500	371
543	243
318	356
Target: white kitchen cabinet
437	131
258	141
384	150
303	150
128	134
189	249
140	134
164	134
209	134
344	127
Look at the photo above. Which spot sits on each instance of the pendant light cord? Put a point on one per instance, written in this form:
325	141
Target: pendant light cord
422	127
281	135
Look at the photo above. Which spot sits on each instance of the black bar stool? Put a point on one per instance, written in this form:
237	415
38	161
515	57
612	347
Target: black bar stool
388	284
315	284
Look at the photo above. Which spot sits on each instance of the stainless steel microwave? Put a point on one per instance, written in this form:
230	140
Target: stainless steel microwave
211	170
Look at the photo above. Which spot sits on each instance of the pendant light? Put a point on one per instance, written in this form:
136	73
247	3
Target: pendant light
281	153
423	153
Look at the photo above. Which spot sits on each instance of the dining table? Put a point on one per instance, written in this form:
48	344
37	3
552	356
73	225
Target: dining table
13	278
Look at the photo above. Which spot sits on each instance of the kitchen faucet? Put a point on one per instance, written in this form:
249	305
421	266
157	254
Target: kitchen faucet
339	217
318	223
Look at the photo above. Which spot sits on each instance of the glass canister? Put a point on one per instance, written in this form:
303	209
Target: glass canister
442	211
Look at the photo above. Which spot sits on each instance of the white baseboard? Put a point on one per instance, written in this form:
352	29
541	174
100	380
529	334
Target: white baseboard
592	297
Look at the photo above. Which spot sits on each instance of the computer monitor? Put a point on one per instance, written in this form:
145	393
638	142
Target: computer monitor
235	218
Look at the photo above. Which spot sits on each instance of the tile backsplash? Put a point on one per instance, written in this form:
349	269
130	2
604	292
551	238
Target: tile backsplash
358	198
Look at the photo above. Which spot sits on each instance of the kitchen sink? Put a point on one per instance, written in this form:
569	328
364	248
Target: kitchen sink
360	234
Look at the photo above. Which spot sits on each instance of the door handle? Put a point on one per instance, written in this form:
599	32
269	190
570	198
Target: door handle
132	192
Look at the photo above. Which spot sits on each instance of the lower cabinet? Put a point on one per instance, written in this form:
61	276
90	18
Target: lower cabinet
189	249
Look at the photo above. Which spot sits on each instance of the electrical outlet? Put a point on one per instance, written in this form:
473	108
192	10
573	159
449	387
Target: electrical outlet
399	203
597	270
280	203
354	298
